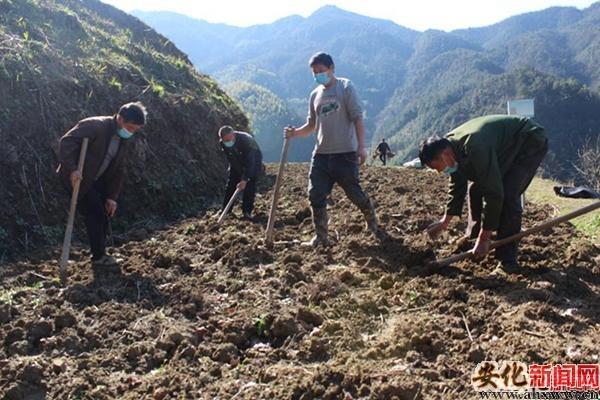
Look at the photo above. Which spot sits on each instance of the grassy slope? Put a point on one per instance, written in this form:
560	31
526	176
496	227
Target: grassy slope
541	192
64	60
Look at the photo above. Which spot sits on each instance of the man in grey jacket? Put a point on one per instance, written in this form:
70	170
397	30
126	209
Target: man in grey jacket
335	114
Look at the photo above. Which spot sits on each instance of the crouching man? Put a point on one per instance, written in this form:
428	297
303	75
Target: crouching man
245	166
493	158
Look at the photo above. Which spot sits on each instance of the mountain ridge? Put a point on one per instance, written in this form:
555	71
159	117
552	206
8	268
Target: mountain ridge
395	69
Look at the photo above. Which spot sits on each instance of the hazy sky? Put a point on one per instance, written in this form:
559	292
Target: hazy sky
415	14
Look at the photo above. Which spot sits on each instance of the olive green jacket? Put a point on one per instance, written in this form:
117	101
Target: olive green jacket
485	149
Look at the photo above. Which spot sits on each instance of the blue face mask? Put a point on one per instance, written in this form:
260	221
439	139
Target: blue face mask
451	170
124	133
322	78
229	144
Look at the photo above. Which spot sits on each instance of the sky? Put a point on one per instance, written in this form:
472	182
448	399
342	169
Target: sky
416	14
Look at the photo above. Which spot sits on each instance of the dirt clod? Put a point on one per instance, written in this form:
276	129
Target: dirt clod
39	330
65	320
310	317
5	313
225	353
32	373
476	355
284	326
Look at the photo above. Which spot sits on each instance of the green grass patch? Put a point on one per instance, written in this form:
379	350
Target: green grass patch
541	192
157	88
7	295
114	82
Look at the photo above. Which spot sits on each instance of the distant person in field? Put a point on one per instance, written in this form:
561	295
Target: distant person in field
104	169
493	158
245	166
335	114
383	149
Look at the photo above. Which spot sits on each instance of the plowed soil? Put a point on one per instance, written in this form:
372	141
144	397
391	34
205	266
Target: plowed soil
200	311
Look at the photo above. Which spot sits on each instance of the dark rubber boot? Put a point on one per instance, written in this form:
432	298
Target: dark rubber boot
320	222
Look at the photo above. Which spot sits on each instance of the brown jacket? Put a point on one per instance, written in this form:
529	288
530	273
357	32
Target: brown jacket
99	130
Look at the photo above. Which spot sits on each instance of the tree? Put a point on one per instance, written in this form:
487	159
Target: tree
588	164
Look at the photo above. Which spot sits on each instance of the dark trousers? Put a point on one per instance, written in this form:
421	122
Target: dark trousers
382	157
515	181
249	193
91	207
329	169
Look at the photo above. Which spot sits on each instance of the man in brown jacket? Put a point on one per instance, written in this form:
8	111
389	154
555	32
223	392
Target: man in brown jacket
103	171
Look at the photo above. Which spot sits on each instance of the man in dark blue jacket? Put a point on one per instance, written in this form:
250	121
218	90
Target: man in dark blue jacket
245	166
384	150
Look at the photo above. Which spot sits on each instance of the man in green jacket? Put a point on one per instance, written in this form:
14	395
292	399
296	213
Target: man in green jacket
494	158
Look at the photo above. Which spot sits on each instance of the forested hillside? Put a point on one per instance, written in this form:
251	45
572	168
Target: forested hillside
268	114
417	83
